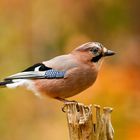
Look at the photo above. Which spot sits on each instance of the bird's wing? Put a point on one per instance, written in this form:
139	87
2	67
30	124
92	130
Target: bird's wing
55	68
38	71
62	62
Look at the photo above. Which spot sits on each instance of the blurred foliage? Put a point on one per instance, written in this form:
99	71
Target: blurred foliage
33	31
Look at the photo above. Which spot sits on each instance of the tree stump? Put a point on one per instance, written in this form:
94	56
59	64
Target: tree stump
83	125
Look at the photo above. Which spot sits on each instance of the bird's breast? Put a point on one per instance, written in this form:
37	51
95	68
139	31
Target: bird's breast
75	81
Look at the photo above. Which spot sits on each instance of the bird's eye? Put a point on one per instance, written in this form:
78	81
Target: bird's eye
95	50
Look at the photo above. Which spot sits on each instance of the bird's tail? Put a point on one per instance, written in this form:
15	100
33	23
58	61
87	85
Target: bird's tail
5	83
22	79
13	83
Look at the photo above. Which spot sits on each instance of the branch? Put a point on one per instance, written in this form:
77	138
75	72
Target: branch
80	122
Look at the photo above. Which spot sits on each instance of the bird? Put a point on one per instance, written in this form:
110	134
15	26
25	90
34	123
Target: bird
62	76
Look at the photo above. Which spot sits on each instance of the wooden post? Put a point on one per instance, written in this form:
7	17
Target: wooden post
80	122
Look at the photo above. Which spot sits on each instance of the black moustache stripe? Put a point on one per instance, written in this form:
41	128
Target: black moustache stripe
97	58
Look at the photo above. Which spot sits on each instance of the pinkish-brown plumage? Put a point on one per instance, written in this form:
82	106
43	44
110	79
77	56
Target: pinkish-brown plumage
63	76
76	80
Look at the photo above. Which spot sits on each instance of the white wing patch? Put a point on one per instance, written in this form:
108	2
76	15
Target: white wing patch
37	68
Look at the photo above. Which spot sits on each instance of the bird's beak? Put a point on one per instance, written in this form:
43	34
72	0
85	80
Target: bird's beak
108	52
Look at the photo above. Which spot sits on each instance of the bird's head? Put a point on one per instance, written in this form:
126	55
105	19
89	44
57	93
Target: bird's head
93	51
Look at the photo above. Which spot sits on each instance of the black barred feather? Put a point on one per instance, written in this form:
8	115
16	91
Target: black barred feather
54	74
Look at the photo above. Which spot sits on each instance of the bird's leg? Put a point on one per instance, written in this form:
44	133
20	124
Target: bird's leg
65	101
62	100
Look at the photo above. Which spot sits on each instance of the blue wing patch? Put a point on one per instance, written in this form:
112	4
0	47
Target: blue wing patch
54	74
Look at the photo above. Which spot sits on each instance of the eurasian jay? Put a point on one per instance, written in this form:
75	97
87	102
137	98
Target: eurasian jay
63	76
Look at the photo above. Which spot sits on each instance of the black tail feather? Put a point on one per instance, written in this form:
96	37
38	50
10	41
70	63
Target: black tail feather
4	83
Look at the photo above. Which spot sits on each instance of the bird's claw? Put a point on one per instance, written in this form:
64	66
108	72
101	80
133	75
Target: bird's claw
64	108
67	102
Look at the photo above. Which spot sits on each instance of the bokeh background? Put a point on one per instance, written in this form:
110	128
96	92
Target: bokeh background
35	30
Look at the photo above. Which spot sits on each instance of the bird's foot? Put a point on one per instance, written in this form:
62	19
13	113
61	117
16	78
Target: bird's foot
66	102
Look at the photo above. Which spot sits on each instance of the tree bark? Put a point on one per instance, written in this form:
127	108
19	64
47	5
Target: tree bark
80	122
